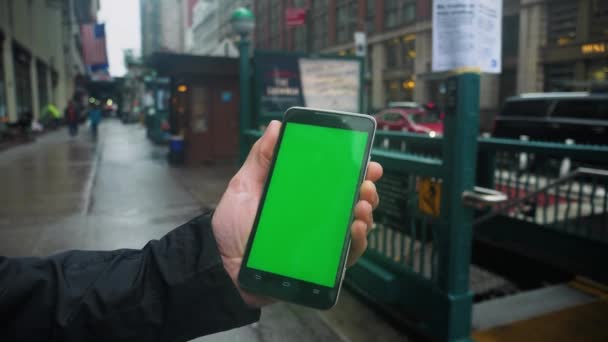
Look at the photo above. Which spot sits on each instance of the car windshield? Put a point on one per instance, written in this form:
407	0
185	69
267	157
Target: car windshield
391	116
425	117
530	108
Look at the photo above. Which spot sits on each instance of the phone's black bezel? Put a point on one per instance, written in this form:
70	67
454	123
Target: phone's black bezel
290	289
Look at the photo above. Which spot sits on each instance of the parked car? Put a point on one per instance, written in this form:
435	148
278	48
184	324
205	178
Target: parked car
416	120
579	116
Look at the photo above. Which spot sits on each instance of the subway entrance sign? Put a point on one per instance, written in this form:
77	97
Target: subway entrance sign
284	80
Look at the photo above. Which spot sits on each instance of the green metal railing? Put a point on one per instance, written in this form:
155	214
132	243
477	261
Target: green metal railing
519	168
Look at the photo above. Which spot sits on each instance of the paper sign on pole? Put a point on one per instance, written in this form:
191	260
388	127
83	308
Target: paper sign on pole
467	34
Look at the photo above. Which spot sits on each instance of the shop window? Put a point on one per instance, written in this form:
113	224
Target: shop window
400	90
43	98
23	88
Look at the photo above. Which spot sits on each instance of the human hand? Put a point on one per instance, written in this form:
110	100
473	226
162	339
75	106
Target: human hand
233	218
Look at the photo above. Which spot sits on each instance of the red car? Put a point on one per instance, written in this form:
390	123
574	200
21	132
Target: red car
416	120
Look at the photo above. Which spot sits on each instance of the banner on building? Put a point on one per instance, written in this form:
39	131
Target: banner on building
93	38
467	34
295	17
288	80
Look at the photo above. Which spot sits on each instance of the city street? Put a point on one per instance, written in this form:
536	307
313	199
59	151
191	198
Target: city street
62	193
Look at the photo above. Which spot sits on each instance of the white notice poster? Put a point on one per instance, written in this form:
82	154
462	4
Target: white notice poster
467	33
331	83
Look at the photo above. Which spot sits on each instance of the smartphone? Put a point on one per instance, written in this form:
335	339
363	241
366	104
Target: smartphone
300	239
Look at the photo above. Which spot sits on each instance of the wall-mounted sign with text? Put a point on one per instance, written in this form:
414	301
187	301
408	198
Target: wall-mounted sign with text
288	80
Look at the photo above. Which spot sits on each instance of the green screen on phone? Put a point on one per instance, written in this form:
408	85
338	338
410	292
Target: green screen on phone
307	210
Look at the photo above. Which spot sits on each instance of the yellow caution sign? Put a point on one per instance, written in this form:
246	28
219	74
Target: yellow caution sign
429	196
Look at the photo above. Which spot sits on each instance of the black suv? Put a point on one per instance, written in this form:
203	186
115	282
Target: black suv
582	117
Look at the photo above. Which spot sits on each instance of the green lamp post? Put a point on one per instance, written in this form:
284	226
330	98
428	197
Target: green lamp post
243	22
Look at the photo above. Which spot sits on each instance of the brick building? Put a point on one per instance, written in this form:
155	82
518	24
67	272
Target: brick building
547	44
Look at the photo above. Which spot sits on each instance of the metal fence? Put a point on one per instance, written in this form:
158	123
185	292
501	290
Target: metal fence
545	191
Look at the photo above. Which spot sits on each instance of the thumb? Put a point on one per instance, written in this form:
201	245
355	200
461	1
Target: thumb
258	160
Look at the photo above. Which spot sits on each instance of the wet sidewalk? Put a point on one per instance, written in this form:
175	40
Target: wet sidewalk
63	193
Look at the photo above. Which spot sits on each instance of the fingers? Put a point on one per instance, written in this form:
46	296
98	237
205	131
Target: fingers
258	160
363	212
369	193
358	243
268	142
374	172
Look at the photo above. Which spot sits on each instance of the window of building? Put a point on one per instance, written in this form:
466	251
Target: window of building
346	12
392	52
275	18
399	12
599	20
299	39
370	16
408	51
559	76
319	29
510	35
561	25
401	52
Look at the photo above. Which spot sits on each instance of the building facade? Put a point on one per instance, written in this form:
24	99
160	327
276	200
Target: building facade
164	25
211	29
41	54
547	45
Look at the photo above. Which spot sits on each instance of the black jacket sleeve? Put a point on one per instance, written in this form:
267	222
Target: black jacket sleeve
174	289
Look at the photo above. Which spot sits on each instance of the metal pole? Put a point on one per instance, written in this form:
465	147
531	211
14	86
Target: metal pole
244	114
459	163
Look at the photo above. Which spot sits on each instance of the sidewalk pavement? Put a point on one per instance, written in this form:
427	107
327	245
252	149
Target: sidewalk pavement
61	193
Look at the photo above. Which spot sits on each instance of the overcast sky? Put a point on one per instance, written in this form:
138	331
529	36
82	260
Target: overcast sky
122	30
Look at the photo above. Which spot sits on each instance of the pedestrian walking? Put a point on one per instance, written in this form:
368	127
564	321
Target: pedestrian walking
71	117
94	119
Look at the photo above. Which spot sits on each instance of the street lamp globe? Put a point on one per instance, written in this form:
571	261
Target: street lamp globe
242	21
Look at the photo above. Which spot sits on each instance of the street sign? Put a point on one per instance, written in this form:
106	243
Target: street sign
295	17
467	34
429	196
360	44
